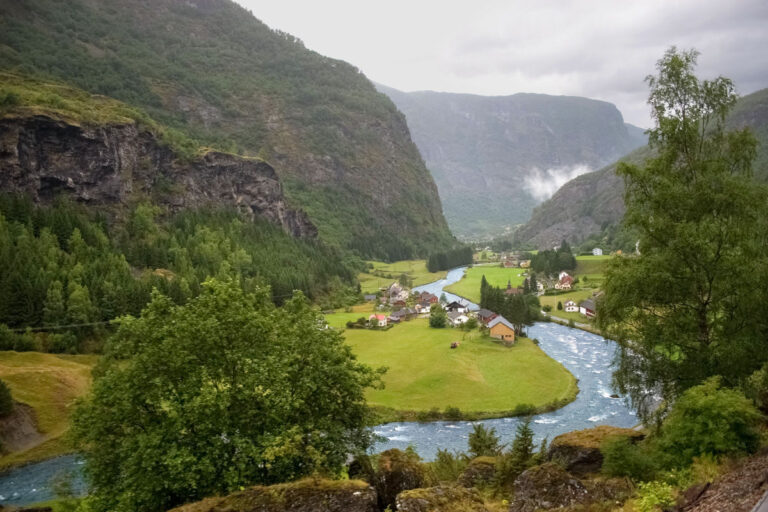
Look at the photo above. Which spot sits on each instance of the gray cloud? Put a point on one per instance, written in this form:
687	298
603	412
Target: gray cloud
601	49
543	184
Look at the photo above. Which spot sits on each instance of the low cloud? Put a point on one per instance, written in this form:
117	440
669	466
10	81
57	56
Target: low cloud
543	184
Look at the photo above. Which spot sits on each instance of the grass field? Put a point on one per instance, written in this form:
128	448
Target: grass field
49	383
416	269
576	295
479	376
469	286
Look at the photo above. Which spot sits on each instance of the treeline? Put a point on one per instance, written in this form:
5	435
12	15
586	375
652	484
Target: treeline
450	259
551	261
63	266
520	310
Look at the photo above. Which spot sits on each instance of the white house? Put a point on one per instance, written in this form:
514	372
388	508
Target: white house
381	320
571	307
457	318
597	251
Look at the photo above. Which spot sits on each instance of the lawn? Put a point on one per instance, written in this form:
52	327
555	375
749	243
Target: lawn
416	270
49	383
469	286
479	376
575	295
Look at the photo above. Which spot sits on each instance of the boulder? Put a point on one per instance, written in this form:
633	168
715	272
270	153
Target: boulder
397	471
546	487
579	451
442	498
309	495
480	471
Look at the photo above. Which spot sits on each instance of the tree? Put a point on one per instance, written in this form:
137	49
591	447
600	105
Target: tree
54	309
443	299
6	401
688	302
225	391
437	316
559	305
483	441
519	458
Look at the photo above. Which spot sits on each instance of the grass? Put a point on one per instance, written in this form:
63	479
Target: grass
469	286
49	383
389	272
576	295
481	377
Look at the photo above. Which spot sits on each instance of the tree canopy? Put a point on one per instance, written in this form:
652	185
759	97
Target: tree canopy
691	302
228	390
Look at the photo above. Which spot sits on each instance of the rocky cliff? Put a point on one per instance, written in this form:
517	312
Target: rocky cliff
117	164
495	158
592	202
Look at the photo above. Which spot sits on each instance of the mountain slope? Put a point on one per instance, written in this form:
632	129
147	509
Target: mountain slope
594	201
214	72
494	158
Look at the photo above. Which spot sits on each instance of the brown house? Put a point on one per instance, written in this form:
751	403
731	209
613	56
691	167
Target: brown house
502	330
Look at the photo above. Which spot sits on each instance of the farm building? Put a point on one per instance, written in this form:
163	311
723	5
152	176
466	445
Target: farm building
501	329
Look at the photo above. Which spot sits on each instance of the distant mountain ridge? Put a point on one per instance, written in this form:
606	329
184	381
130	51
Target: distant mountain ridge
490	154
593	202
213	72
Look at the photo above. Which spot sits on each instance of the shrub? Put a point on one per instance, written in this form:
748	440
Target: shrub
559	305
471	324
622	457
756	388
655	496
6	401
548	308
483	441
523	410
430	415
709	419
448	466
452	413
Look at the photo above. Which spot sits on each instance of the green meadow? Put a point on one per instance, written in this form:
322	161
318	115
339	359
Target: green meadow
415	269
481	376
469	286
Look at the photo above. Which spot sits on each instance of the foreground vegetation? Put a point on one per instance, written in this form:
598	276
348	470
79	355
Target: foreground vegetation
49	384
481	377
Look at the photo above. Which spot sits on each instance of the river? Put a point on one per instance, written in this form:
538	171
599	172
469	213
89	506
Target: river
587	356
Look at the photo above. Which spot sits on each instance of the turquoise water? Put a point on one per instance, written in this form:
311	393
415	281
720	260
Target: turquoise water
32	483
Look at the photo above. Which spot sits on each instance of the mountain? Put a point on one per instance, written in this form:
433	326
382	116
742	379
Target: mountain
211	72
594	202
495	158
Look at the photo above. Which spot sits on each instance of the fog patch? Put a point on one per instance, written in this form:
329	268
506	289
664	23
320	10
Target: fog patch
543	184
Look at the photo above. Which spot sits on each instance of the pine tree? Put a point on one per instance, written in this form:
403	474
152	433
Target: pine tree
54	308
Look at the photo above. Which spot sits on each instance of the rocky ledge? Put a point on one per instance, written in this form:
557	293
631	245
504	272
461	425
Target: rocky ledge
119	164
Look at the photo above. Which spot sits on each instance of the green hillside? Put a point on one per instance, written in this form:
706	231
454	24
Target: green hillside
212	71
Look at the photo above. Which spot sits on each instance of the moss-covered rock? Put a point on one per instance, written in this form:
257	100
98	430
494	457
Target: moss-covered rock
441	499
308	495
397	471
579	451
480	471
545	487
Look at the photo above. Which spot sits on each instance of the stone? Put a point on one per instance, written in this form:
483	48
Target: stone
442	498
480	471
397	471
546	487
579	451
308	495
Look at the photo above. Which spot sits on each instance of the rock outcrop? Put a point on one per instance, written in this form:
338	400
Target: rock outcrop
546	487
480	471
579	451
309	495
18	430
397	471
119	164
441	499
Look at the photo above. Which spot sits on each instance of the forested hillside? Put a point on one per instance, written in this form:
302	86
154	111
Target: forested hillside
212	72
594	202
495	158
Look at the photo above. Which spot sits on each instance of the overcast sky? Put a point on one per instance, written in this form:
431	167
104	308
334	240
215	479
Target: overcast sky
599	49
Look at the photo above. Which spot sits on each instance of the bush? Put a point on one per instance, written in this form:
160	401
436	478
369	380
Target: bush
622	457
483	442
6	401
452	413
756	388
655	496
448	466
548	308
524	410
471	324
709	419
559	306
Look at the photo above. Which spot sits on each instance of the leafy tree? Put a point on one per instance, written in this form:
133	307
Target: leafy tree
437	316
483	441
225	391
6	401
688	302
54	308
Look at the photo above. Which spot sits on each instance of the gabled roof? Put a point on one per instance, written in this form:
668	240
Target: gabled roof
453	315
588	304
500	320
485	313
456	304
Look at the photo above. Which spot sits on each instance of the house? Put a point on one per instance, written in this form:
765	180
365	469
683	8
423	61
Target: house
509	264
571	307
501	329
512	291
457	307
397	303
525	264
588	308
394	289
597	251
456	319
423	307
381	320
484	316
398	316
428	297
369	297
565	282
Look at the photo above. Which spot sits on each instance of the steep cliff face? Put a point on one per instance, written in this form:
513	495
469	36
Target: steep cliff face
594	201
212	71
495	158
117	164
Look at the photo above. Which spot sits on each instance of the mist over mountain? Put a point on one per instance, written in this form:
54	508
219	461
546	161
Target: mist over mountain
495	158
594	202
